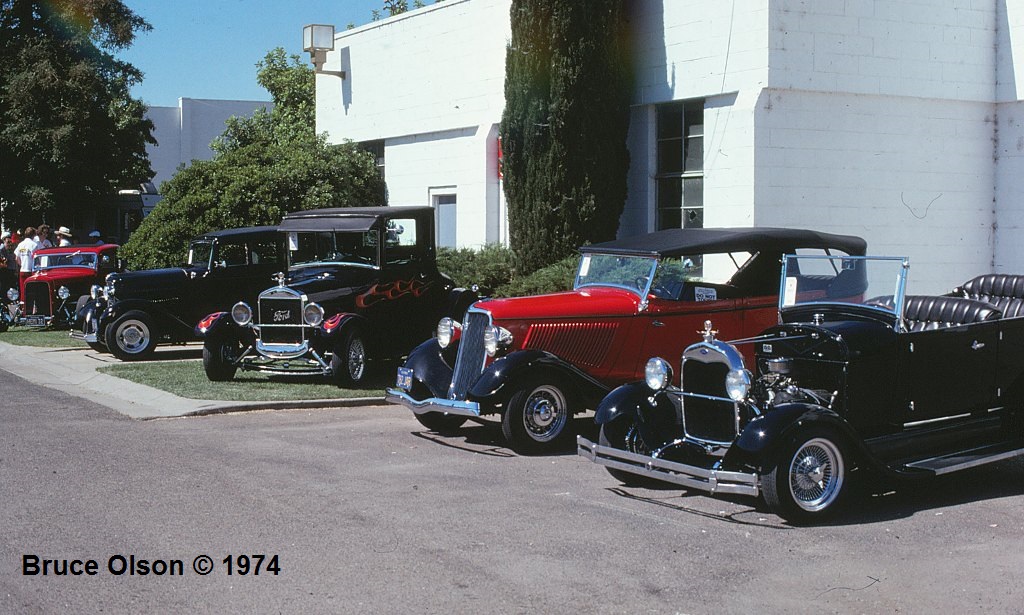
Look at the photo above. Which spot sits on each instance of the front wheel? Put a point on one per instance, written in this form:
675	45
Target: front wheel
348	363
219	358
807	477
132	337
440	422
538	417
624	435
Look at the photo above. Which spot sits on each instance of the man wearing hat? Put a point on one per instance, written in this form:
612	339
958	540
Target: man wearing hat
63	237
8	263
96	237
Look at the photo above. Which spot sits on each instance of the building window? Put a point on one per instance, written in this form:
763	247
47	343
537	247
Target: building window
377	149
445	214
680	174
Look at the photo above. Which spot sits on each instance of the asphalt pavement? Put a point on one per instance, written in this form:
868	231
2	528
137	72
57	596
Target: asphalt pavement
74	371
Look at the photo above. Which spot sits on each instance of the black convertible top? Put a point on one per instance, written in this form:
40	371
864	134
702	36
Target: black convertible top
346	218
687	241
231	232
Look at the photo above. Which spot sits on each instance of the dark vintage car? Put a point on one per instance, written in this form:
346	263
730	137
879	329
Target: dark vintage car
903	386
136	310
61	276
362	284
539	360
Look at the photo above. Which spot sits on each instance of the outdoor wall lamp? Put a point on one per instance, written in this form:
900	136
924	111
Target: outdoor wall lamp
318	39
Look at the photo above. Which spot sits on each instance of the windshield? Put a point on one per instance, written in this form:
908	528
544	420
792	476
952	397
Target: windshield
332	248
68	259
630	272
199	253
878	282
692	277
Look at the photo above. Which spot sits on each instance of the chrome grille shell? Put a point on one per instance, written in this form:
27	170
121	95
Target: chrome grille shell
471	357
708	413
281	333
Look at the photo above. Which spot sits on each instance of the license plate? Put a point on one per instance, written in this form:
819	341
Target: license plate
404	379
35	321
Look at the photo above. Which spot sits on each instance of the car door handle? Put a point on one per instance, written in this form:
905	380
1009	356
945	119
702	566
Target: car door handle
976	345
658	323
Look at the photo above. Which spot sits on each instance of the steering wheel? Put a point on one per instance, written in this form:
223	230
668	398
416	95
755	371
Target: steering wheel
641	282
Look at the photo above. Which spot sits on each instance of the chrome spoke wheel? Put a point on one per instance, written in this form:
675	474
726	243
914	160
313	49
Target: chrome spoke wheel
816	474
356	359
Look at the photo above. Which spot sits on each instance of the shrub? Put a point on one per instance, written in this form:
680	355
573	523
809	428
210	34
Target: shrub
489	268
551	279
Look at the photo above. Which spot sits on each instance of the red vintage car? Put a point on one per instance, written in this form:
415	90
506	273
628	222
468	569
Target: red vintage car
539	360
63	276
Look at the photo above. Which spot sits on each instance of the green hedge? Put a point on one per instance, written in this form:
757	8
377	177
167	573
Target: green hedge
490	268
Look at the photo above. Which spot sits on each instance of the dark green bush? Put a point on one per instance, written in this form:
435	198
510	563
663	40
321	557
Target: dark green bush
489	268
551	279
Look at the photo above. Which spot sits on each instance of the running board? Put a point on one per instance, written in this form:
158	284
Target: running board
970	458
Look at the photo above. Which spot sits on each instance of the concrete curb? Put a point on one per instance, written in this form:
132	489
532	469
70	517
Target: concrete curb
73	371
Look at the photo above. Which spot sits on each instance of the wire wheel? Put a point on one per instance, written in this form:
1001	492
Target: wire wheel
808	478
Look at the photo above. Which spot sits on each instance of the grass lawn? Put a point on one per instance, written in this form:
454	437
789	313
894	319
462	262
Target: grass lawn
186	378
31	336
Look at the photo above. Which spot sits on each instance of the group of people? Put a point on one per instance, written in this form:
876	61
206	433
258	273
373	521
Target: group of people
17	250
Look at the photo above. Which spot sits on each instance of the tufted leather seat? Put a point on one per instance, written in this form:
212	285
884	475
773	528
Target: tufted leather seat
1005	291
925	312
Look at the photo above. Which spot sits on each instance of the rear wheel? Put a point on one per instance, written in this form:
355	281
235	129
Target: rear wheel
132	337
219	356
538	417
807	477
348	363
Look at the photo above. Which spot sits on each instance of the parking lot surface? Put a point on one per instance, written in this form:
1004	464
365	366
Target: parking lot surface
368	512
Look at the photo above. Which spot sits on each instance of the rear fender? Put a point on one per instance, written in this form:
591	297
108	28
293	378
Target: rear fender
498	380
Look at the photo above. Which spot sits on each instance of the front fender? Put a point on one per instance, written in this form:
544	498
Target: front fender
430	369
164	318
629	401
762	436
497	378
332	328
217	324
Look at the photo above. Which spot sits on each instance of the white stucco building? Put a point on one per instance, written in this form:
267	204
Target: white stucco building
898	120
184	132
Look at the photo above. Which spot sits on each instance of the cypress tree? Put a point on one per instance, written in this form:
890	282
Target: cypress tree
567	92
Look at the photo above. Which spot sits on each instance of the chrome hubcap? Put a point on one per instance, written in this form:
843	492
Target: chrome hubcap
133	336
816	474
545	414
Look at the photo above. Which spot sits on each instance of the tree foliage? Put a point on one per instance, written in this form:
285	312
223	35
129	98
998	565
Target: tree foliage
264	166
69	129
567	92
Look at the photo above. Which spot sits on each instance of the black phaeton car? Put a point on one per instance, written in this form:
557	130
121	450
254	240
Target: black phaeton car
362	283
905	386
136	310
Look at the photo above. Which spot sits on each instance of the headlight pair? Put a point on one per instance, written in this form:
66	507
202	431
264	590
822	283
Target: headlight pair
312	314
495	338
658	375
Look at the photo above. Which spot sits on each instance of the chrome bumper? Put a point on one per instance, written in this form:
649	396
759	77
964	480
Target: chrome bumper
691	477
432	404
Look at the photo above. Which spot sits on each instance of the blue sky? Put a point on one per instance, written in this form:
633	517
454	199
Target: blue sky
209	48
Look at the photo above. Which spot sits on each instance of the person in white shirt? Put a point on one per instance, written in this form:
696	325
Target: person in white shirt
24	253
43	237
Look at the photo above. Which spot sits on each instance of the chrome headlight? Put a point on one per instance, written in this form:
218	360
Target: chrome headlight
241	313
446	331
657	373
496	338
12	294
63	293
95	291
313	314
737	384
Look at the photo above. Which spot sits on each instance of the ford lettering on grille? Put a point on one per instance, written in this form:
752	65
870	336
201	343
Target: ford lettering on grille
282	315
